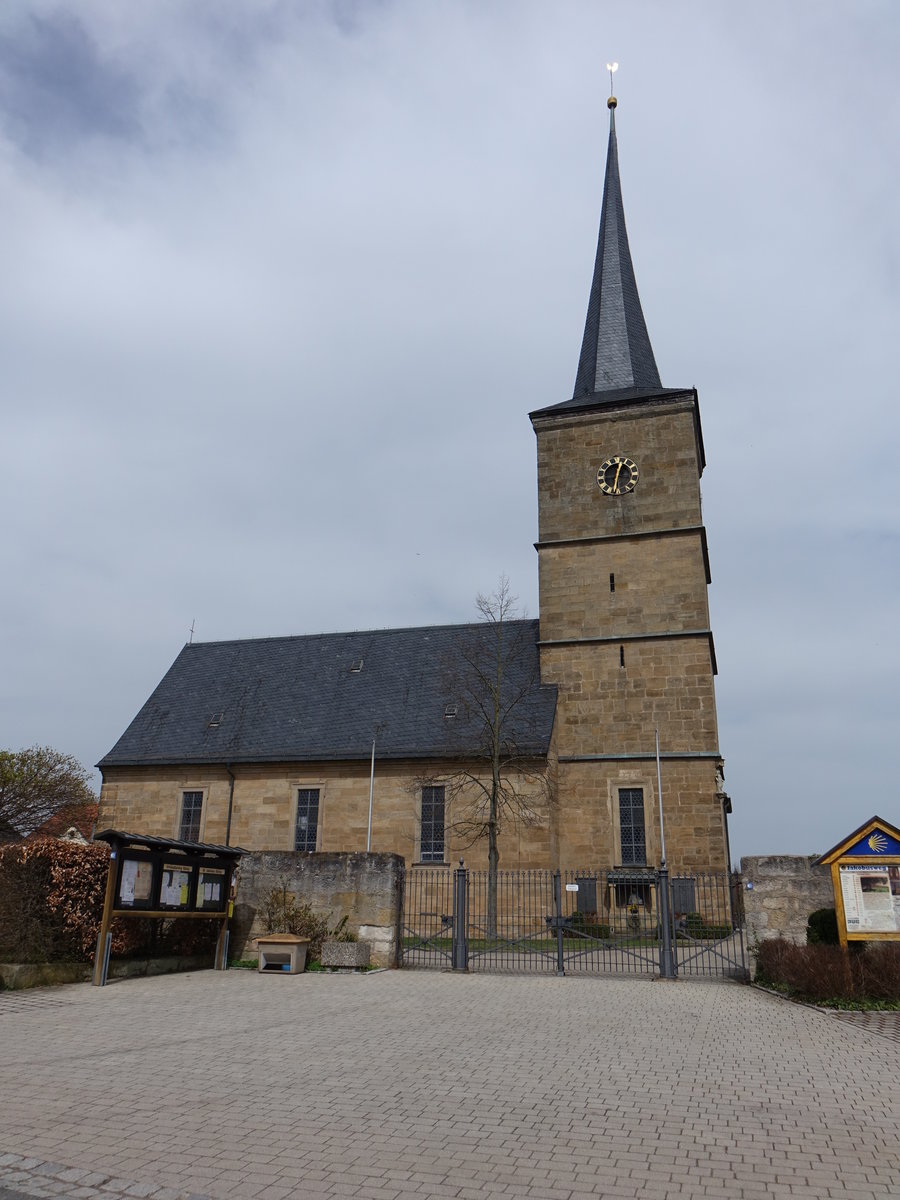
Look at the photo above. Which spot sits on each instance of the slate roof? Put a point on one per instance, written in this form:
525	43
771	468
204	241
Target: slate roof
616	366
617	397
616	360
616	350
298	699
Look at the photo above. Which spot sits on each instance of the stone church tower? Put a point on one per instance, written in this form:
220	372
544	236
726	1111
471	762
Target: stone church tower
623	574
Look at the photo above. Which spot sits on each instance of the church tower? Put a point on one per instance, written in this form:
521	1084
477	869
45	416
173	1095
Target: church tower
623	575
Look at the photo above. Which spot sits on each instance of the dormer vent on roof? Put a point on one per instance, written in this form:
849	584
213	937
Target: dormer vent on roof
356	667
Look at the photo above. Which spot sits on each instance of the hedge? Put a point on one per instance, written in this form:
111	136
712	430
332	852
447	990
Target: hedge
863	974
51	905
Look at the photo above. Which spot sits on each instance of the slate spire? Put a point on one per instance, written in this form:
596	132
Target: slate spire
616	351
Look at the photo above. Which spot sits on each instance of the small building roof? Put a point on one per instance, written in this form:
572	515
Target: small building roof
321	698
82	817
118	839
875	838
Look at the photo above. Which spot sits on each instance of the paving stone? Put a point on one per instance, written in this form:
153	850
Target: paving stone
431	1084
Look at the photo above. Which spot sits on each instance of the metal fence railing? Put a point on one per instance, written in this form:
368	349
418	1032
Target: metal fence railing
581	921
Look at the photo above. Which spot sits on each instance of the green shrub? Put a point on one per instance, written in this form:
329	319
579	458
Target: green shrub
581	924
821	928
341	933
693	925
697	927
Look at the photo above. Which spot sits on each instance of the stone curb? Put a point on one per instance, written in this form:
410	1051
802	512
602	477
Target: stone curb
32	1177
846	1015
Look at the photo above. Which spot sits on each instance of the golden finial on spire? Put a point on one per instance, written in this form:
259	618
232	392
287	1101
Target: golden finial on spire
612	68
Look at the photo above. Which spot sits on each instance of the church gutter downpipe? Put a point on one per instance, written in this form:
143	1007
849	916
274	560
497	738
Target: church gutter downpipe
371	791
230	804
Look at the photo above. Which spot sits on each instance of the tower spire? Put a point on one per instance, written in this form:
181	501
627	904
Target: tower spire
616	351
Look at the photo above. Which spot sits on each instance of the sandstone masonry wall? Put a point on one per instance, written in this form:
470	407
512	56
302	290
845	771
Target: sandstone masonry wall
366	888
610	588
695	831
264	808
785	890
660	438
624	633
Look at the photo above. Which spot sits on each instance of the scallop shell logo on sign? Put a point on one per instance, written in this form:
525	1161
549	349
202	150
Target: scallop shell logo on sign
877	842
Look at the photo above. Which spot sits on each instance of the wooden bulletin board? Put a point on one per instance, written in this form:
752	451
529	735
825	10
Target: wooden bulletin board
165	878
865	875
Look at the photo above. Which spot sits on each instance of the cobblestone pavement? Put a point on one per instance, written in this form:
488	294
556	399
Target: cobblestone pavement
420	1084
886	1024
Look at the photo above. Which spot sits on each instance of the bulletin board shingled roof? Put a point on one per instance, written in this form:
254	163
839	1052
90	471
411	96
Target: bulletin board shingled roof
320	697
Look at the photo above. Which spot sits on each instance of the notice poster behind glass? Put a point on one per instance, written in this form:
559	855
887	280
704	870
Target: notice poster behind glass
135	883
868	898
175	887
211	888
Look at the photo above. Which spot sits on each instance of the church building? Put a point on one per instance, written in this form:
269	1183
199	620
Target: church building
399	740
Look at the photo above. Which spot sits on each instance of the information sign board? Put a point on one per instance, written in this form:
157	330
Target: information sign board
136	882
175	886
155	877
871	896
211	889
865	874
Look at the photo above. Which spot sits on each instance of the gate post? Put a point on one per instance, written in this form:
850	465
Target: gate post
557	903
667	967
460	947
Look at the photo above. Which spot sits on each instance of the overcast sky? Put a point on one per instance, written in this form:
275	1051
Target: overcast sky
281	282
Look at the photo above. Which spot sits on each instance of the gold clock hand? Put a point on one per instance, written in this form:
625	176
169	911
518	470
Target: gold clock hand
616	481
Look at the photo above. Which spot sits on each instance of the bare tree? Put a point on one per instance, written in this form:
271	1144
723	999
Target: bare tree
496	733
35	784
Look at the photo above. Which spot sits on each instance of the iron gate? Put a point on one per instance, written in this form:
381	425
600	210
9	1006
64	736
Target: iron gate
616	922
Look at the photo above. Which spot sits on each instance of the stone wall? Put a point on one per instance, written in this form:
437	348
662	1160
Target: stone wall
625	632
695	823
785	890
263	803
661	438
366	888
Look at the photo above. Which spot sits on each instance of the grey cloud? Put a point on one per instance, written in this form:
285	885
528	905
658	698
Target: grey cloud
284	286
57	89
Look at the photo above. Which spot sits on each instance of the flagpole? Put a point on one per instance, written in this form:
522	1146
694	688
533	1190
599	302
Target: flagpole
668	968
662	830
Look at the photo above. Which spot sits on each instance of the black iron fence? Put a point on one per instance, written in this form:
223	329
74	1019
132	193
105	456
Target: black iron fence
618	921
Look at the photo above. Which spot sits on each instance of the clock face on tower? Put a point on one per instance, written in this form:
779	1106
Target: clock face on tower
617	475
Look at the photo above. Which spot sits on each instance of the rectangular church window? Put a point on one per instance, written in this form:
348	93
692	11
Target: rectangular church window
191	812
631	827
431	841
307	819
